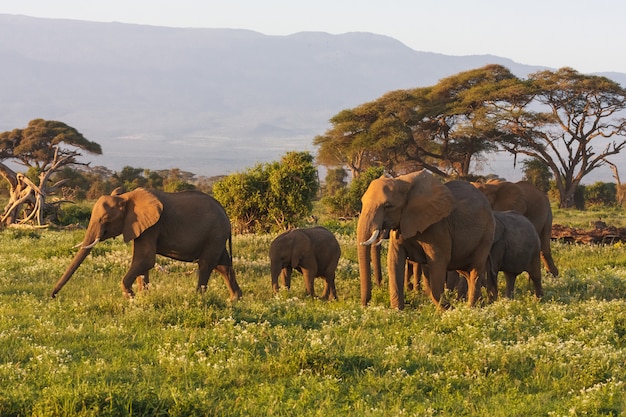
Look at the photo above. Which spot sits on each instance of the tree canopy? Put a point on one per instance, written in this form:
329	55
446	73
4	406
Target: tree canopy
572	129
444	128
43	143
562	118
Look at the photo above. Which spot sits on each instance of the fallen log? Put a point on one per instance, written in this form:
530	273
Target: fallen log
601	234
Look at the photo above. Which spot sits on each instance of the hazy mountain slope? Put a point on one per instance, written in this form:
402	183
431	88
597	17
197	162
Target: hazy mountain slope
209	101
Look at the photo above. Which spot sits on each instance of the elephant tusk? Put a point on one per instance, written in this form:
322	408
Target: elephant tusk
371	240
91	245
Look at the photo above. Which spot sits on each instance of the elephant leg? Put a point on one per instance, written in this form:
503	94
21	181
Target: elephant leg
332	295
412	270
461	285
329	293
144	258
534	274
286	276
204	273
408	284
137	268
143	281
326	291
417	275
228	273
510	284
434	284
225	268
474	286
309	278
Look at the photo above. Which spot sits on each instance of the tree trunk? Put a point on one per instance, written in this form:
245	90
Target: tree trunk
620	196
567	195
28	200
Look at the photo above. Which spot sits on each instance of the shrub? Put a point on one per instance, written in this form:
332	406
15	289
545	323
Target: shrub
600	194
74	214
270	197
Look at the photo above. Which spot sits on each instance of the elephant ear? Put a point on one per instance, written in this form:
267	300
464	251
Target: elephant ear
428	201
143	210
509	196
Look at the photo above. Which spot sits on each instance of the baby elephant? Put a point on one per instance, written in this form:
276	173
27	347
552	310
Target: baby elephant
314	252
516	248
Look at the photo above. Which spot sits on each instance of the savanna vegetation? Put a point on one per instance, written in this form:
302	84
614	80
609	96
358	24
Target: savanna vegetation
173	352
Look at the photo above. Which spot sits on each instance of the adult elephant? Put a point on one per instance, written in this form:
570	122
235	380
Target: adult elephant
313	251
446	226
188	226
531	202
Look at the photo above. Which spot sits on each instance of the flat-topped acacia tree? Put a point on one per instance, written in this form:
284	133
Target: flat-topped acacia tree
44	147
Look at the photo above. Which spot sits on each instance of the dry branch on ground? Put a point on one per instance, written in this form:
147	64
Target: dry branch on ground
600	234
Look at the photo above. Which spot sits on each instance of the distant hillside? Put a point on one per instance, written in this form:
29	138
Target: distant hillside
210	101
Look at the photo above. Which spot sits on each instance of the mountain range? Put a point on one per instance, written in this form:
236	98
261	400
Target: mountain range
208	101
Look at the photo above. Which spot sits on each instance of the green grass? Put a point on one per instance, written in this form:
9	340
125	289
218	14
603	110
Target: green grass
173	352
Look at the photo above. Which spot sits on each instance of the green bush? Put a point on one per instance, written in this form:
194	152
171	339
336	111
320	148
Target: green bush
270	197
346	202
77	213
600	194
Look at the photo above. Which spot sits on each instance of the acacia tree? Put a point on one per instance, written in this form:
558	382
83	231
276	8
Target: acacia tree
44	147
444	128
572	130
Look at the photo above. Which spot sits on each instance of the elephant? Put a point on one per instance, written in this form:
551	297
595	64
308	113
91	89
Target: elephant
416	271
530	201
413	272
313	251
189	226
516	248
445	226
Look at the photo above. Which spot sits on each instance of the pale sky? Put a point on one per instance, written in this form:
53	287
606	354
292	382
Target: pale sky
589	36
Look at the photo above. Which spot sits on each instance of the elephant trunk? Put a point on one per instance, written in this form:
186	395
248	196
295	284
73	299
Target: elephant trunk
366	236
364	273
76	262
92	237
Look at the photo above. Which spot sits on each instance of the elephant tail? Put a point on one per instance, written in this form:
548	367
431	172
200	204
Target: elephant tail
230	247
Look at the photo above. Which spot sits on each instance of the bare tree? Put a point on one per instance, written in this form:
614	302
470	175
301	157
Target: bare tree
572	131
40	147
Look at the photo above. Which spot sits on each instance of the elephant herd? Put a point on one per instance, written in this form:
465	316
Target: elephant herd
473	229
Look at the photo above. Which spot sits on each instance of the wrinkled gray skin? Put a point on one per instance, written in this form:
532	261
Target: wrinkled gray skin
188	226
528	200
313	251
516	248
452	224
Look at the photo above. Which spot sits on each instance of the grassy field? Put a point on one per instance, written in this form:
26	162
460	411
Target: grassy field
172	352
